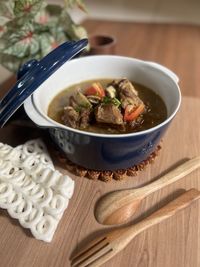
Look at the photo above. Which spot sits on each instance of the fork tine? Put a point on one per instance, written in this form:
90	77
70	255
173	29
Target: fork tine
92	246
92	258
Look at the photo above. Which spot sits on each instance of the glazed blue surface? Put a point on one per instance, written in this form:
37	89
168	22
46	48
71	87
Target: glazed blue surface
101	153
33	73
105	152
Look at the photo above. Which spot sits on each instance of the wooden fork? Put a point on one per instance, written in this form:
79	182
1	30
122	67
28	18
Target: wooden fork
107	246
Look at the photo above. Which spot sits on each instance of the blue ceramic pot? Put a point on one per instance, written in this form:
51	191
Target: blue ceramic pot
102	151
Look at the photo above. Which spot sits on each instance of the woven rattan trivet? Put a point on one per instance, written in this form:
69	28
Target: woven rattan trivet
107	176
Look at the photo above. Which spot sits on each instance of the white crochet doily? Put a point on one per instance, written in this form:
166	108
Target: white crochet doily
34	149
31	190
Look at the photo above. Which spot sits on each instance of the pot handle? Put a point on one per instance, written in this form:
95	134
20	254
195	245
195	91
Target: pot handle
166	70
34	115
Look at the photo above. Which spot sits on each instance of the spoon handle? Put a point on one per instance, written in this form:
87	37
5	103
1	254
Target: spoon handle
171	177
166	212
118	206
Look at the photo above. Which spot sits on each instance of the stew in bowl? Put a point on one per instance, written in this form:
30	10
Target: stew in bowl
108	106
106	112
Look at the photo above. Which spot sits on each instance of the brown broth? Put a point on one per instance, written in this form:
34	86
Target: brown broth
157	111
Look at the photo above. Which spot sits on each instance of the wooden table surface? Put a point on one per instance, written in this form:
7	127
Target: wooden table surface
175	242
174	46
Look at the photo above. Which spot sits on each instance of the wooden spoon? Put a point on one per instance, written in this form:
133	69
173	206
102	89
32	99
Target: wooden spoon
118	206
103	248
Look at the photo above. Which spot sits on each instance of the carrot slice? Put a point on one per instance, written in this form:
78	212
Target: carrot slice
96	89
131	115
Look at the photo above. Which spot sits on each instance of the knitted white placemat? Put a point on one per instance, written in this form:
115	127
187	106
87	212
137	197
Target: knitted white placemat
33	149
31	190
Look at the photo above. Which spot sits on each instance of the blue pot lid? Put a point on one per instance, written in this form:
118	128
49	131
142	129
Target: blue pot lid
33	73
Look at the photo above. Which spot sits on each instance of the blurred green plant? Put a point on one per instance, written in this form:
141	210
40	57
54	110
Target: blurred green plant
32	28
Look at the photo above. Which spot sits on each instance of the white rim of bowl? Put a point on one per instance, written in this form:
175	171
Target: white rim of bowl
59	125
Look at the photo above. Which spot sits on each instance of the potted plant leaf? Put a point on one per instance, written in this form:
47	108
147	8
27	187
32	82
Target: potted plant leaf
32	28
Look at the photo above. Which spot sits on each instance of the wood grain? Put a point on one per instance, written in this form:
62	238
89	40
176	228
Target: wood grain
172	243
175	46
104	248
118	207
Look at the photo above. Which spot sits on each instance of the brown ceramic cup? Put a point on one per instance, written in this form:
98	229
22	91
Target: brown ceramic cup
102	45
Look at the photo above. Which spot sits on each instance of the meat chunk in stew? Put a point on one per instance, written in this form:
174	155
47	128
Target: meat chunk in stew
76	119
70	117
108	113
84	118
78	113
127	93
